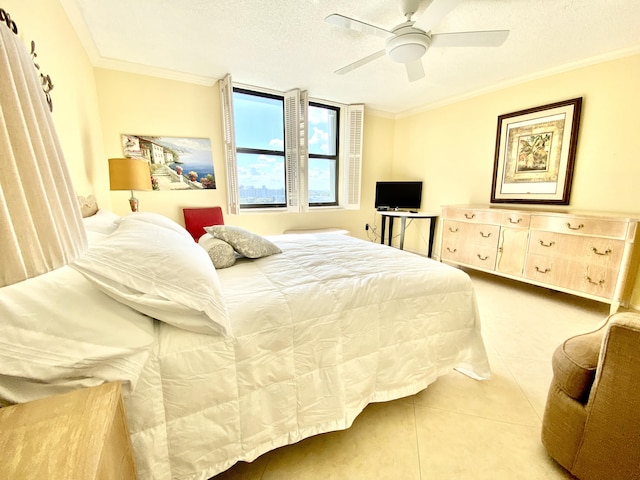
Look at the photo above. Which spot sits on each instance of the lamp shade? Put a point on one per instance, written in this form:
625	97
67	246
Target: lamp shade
129	174
40	224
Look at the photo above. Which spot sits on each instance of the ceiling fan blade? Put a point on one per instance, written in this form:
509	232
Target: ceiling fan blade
360	63
415	70
435	12
357	25
489	38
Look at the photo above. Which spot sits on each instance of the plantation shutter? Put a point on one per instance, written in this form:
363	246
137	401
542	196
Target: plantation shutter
292	151
353	155
229	144
303	152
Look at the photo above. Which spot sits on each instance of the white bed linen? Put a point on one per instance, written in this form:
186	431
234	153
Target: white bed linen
321	330
59	333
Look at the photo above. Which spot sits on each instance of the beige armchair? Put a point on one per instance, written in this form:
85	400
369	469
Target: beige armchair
591	422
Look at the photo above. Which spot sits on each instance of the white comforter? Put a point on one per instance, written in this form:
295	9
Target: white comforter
321	330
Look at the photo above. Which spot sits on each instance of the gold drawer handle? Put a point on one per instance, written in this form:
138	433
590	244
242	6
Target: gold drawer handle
452	251
574	228
481	258
599	282
453	230
595	250
546	270
469	217
485	236
550	244
516	222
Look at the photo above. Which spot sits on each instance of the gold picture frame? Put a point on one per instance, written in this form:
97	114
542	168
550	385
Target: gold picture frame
535	154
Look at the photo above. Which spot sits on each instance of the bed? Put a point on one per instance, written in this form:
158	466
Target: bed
223	365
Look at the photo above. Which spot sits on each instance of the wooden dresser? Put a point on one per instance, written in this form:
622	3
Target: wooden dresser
594	255
80	435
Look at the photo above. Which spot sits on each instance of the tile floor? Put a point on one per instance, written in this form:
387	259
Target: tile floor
458	428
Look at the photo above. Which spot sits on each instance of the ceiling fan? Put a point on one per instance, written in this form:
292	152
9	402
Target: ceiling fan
409	41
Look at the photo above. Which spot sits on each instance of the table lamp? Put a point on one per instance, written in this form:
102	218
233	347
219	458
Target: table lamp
40	224
129	174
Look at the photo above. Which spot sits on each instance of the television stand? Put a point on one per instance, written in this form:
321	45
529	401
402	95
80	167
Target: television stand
392	214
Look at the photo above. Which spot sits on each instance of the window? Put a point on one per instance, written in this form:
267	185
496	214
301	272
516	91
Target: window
322	175
259	133
283	151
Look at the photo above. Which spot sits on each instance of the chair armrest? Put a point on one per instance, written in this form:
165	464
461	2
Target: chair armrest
574	363
620	354
611	442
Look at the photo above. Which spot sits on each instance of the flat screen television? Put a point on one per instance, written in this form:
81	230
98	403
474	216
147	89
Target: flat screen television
398	195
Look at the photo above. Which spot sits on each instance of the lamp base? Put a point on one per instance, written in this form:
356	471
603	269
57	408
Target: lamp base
133	203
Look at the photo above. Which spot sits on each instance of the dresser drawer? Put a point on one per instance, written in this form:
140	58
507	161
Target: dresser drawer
474	233
543	268
515	220
472	215
581	225
593	250
576	275
474	255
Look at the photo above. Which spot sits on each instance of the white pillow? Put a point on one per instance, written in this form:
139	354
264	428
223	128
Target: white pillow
160	273
58	332
103	222
156	219
244	242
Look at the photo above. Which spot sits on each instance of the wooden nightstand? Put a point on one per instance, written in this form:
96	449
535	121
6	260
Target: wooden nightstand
79	435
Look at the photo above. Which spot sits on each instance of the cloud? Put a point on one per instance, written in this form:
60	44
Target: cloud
277	142
320	138
318	115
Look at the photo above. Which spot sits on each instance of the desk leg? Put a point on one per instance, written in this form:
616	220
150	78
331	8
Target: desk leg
403	224
384	224
390	230
432	231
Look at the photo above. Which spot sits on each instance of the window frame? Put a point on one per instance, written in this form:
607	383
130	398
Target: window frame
335	158
259	151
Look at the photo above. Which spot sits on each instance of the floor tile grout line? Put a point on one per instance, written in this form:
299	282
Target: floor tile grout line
483	417
415	429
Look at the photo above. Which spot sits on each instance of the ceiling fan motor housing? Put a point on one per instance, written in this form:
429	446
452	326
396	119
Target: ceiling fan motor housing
408	45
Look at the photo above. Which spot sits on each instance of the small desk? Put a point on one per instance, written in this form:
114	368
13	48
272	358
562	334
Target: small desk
392	214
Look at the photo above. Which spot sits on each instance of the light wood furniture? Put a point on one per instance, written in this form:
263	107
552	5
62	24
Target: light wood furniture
79	435
594	255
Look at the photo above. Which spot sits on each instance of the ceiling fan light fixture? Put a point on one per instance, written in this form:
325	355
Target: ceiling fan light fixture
408	47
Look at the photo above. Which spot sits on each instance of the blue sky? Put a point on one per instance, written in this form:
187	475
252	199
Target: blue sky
259	124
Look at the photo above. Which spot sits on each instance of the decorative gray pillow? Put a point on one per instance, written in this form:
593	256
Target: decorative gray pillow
244	242
221	253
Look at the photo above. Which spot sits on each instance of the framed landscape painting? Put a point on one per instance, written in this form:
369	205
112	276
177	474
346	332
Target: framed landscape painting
535	154
176	163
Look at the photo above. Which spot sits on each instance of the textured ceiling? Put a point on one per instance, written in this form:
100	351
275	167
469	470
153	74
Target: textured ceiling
284	44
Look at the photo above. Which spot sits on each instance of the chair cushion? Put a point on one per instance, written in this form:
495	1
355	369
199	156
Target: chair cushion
574	364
